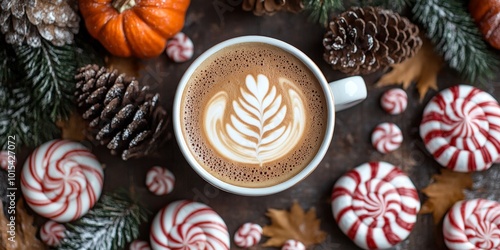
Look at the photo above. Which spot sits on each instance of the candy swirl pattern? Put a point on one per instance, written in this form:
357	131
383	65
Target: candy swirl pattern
160	181
461	128
473	224
394	101
61	180
180	48
387	137
52	233
248	235
375	205
188	225
263	124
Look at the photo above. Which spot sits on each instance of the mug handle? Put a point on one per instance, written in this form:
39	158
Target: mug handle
348	92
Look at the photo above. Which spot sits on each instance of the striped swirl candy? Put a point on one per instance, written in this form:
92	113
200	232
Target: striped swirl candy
188	225
160	181
61	180
180	48
473	224
52	233
248	235
394	101
375	205
461	128
387	137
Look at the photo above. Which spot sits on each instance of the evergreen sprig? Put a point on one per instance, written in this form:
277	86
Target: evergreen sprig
320	10
36	88
49	71
456	37
112	223
19	115
22	118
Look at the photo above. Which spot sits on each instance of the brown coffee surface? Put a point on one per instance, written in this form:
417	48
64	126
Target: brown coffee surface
253	115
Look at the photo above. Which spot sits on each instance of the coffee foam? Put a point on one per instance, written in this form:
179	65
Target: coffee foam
231	68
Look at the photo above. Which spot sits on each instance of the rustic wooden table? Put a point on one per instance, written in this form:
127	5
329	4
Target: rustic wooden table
210	22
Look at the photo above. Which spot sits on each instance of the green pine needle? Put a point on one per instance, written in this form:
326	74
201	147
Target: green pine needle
20	117
49	71
111	224
23	119
320	10
456	38
29	105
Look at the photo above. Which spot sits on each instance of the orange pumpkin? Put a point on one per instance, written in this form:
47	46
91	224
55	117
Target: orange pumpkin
486	13
137	28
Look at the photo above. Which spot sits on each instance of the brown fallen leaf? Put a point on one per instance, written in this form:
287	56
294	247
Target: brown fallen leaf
422	68
446	189
25	232
73	128
296	224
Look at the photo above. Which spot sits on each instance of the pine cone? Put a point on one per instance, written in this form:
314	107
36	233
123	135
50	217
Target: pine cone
364	40
122	114
269	7
31	20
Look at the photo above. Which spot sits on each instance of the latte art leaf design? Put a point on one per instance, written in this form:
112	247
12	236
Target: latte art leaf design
259	109
257	130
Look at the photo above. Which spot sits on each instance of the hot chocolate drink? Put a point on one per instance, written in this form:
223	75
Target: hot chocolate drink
253	115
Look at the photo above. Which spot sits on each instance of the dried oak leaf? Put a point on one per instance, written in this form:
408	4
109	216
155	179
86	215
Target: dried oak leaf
296	224
73	128
422	68
446	189
25	237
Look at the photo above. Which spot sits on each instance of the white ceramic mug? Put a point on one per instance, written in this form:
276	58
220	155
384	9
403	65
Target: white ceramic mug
339	95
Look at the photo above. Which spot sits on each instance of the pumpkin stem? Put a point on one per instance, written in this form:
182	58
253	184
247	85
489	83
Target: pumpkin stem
123	5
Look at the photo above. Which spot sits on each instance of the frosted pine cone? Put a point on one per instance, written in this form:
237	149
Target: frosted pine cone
31	20
123	115
364	40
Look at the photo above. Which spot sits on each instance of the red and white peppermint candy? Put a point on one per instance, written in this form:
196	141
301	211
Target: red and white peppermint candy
248	235
61	180
387	137
473	224
293	245
139	245
188	225
160	181
461	128
394	101
6	160
180	48
376	205
52	233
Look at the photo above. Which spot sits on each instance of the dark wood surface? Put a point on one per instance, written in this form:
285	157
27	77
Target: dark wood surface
212	21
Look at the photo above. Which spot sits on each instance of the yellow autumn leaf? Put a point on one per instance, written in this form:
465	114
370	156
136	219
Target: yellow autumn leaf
446	189
294	224
422	68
